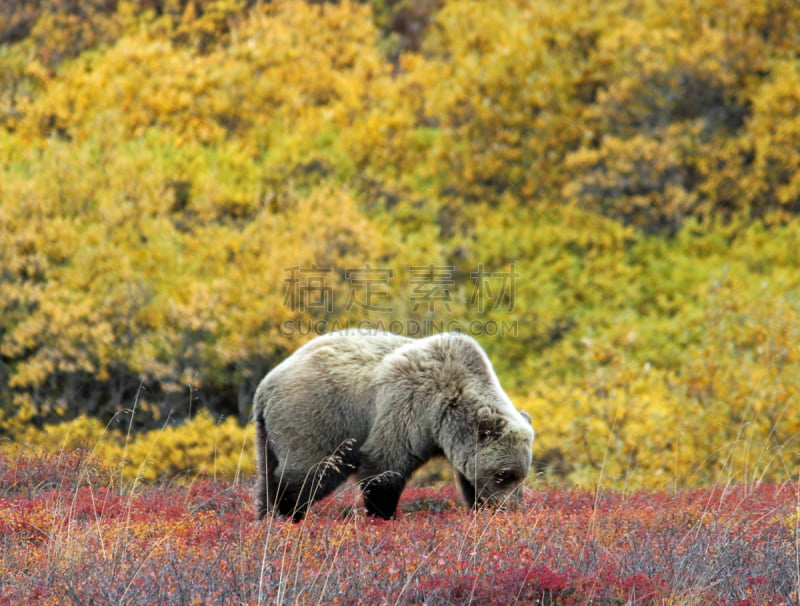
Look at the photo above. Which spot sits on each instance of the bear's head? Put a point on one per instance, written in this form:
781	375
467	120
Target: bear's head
450	393
487	440
499	461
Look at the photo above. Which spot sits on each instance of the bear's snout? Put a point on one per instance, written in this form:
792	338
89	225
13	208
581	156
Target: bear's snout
502	500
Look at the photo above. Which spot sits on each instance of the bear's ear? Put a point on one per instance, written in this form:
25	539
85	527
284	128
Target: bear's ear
491	428
525	415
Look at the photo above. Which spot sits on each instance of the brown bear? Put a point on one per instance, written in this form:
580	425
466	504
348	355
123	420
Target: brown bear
379	405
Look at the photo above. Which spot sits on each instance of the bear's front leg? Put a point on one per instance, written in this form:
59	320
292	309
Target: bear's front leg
385	465
467	490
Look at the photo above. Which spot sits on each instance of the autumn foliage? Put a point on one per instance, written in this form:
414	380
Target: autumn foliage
168	167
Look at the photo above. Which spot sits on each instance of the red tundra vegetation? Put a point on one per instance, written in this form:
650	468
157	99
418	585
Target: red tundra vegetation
70	534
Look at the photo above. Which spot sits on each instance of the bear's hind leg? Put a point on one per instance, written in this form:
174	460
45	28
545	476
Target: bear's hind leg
297	496
266	487
382	493
299	493
293	504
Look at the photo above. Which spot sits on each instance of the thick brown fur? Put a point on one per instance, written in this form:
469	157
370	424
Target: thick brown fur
378	405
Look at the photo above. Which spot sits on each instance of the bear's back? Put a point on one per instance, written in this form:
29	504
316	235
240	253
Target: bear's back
322	394
337	368
346	358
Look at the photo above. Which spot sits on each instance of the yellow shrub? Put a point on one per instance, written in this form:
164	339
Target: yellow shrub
197	447
724	412
641	430
160	174
82	433
182	452
625	428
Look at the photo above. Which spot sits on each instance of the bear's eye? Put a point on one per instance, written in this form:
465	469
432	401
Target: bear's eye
504	477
